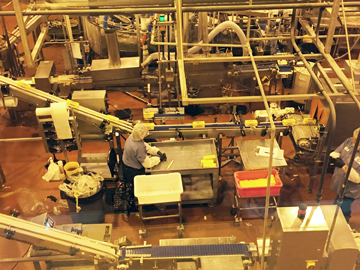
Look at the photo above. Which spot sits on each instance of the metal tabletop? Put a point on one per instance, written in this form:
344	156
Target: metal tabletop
253	162
186	156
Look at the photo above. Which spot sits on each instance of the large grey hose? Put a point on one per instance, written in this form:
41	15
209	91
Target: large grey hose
221	27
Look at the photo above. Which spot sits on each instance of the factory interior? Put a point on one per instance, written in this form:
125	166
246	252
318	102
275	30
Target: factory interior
241	115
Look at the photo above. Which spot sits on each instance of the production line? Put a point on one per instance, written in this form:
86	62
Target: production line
180	58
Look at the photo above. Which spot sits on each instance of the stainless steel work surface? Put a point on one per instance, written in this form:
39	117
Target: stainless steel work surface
186	156
222	262
198	241
253	162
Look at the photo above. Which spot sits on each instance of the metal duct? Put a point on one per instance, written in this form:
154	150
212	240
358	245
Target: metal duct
112	46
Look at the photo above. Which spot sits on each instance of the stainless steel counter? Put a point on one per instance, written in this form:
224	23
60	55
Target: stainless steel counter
200	184
253	162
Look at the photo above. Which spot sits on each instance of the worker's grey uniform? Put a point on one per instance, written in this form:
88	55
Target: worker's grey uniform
352	190
134	153
133	156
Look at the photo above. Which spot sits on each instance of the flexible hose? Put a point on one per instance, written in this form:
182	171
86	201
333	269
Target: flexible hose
221	27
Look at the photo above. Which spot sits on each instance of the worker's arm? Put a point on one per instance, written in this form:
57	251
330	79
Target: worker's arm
152	150
353	176
336	154
150	162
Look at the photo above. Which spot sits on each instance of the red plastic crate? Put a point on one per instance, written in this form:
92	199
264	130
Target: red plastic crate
257	191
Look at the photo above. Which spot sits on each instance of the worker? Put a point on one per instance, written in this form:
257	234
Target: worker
341	158
135	155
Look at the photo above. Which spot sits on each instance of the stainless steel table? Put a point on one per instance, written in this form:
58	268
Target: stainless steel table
253	162
200	184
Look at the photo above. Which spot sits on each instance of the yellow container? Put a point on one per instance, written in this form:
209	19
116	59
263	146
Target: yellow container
150	126
288	122
148	115
210	157
71	168
208	163
249	123
198	124
309	121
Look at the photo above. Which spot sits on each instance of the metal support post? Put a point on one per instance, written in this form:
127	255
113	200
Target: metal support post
180	51
332	25
22	30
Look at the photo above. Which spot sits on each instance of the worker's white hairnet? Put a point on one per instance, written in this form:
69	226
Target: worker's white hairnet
140	131
356	132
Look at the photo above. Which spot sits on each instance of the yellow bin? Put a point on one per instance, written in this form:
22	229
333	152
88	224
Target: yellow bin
71	168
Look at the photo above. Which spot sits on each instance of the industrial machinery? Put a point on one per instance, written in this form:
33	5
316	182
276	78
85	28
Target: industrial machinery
186	53
297	242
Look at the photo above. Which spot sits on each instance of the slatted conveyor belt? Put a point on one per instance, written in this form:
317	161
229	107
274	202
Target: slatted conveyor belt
186	251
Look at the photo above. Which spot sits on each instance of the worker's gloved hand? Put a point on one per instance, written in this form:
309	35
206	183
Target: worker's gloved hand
153	151
162	156
339	162
155	161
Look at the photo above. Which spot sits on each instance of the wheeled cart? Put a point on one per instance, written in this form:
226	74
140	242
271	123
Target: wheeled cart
250	192
159	190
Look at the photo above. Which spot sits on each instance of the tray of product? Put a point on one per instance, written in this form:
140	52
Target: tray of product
254	183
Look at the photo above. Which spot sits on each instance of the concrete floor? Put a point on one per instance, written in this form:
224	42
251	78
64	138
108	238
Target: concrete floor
23	165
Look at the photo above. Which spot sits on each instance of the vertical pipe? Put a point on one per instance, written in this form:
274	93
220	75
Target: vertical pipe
342	191
23	35
159	70
14	64
272	141
203	20
180	52
331	105
68	28
319	22
186	26
112	47
332	25
249	22
138	25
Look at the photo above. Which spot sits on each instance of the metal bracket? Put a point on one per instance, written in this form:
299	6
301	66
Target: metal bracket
9	233
5	90
73	251
78	231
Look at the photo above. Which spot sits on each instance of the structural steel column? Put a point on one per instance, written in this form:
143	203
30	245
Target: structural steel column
180	51
23	35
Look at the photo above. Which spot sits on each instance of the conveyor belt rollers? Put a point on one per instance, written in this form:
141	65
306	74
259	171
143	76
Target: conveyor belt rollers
186	251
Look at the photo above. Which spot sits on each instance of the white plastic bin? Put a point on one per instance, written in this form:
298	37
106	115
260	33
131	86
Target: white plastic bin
158	188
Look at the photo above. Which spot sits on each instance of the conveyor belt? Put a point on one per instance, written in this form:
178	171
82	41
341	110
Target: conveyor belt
186	251
229	125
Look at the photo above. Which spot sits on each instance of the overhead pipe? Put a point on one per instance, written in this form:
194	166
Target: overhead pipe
323	92
170	9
